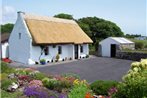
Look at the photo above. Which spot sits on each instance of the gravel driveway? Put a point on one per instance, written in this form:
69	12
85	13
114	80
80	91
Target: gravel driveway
91	69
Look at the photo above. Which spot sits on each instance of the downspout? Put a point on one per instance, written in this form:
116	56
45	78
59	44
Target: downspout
42	50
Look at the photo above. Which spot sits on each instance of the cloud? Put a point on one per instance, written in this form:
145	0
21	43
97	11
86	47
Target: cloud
8	14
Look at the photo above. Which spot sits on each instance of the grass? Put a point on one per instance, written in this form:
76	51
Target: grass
138	51
5	94
143	41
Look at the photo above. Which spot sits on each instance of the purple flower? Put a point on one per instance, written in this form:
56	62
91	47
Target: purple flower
35	91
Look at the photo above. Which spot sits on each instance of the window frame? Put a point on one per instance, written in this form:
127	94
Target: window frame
81	49
19	35
59	49
46	50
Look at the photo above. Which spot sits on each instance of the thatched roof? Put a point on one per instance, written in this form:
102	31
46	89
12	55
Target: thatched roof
4	37
47	30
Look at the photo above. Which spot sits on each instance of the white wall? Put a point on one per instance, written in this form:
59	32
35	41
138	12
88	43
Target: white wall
67	51
4	51
85	50
19	49
106	47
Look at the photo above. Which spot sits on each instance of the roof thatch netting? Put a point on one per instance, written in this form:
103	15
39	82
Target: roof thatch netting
47	30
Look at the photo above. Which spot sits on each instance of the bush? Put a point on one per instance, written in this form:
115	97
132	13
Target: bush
50	83
79	90
139	45
101	87
3	76
134	83
57	57
39	76
5	68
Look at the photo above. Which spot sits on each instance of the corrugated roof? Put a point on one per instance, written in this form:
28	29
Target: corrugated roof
49	30
121	40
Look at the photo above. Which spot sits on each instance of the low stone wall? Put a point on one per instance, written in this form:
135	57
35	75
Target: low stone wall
131	55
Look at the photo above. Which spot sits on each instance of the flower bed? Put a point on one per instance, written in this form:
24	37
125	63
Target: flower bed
28	82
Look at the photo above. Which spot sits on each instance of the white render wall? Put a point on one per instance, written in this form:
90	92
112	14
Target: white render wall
85	50
67	52
19	49
4	50
106	47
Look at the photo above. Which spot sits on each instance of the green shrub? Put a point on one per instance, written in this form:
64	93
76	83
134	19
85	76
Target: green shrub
5	84
50	83
101	87
57	57
5	68
3	76
39	76
134	83
78	91
139	45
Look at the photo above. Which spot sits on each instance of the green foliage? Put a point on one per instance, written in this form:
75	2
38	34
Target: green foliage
78	91
99	28
42	60
5	94
101	87
39	76
57	57
6	83
134	83
5	68
64	16
71	75
7	28
139	45
50	83
132	35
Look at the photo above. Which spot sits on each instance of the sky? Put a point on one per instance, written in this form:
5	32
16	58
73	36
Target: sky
129	15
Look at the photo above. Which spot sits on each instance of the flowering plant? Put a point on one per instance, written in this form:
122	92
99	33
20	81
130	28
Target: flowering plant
36	83
37	92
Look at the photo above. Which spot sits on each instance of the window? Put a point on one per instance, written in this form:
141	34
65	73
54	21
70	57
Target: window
19	35
46	50
81	48
59	50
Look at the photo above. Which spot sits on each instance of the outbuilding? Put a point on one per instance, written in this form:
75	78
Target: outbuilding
4	45
109	46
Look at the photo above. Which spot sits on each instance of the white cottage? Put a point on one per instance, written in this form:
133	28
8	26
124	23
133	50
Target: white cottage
110	45
41	37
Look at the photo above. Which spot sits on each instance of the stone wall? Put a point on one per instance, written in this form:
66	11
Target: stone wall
131	55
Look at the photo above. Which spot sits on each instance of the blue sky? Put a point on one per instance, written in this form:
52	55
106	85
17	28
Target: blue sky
129	15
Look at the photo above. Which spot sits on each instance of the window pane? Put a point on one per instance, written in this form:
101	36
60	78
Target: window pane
59	50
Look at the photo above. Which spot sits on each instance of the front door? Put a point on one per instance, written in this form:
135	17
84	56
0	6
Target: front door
76	51
113	50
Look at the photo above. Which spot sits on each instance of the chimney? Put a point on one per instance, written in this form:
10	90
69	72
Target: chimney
20	13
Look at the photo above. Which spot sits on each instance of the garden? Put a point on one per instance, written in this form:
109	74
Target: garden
30	83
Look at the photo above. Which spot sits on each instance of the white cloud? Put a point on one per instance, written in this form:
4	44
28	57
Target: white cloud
8	14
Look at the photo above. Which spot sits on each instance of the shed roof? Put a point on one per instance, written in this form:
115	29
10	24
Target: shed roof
49	30
4	37
120	40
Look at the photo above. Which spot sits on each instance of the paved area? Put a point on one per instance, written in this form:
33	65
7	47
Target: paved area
91	69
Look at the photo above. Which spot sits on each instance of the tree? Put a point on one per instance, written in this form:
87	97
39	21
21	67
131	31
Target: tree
7	28
64	16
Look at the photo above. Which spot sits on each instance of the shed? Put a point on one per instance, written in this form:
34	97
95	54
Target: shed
4	45
110	45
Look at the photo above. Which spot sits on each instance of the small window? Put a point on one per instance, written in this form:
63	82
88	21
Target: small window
81	48
59	50
19	35
46	50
